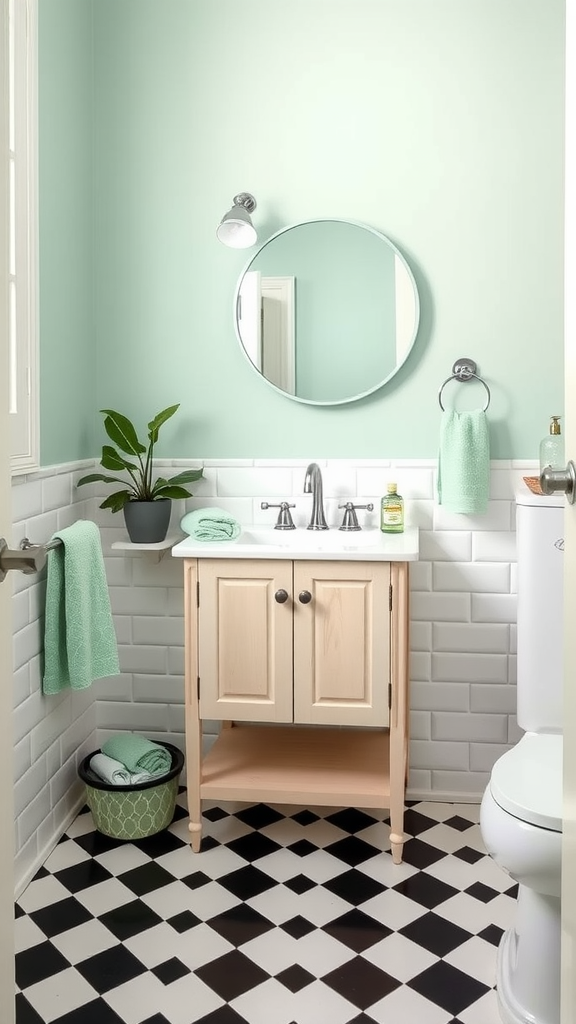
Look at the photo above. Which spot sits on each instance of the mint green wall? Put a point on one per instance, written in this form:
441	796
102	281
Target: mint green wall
67	358
440	124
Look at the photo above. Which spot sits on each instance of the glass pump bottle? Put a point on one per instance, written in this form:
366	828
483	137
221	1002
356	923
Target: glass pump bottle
552	447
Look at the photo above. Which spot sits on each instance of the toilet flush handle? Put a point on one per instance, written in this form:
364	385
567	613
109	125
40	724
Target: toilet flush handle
562	481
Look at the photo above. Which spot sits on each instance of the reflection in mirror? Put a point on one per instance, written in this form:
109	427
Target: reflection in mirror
327	311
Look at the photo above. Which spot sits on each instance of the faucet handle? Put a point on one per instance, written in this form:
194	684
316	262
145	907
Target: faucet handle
350	520
284	521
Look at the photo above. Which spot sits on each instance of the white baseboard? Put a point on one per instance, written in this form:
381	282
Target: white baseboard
443	796
21	882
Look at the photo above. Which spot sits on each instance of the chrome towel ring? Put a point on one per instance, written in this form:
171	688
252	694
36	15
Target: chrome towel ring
463	370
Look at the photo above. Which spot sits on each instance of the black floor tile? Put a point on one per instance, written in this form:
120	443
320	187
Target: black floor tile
354	887
435	934
357	930
215	814
231	975
482	892
448	987
459	823
297	927
130	919
146	878
259	816
196	880
110	968
82	875
360	982
247	882
351	820
183	922
38	962
295	978
305	817
468	854
302	848
299	884
24	1012
415	822
223	1015
240	924
96	1012
420	854
352	850
492	934
426	890
253	846
170	970
59	917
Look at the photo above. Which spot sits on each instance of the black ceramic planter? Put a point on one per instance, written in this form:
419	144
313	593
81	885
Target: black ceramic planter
147	521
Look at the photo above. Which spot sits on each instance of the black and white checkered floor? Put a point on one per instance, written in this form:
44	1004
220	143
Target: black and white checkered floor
288	916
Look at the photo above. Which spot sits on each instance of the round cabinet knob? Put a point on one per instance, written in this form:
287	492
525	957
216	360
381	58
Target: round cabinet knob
281	596
304	597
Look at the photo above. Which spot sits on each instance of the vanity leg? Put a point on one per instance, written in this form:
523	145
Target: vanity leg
397	843
195	829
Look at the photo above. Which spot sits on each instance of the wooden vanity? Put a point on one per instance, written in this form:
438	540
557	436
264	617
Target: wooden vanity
304	661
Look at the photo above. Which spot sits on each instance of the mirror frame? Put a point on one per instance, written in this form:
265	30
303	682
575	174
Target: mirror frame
409	347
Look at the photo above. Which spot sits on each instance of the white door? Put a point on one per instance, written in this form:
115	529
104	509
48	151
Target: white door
6	703
569	829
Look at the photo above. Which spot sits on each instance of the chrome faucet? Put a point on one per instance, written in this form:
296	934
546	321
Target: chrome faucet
313	485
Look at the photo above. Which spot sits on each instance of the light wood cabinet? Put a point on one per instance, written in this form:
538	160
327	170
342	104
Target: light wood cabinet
306	664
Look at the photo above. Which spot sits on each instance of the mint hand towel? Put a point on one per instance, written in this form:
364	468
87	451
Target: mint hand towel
210	524
79	639
138	754
464	462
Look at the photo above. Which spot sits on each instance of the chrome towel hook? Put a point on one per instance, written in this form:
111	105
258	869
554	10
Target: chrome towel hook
464	369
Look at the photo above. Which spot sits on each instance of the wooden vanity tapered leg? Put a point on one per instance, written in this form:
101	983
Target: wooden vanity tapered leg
193	724
399	710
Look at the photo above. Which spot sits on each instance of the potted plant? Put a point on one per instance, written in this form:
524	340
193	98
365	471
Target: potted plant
145	501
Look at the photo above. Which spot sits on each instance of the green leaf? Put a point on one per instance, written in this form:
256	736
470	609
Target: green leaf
187	477
166	491
122	432
111	459
156	423
115	502
93	477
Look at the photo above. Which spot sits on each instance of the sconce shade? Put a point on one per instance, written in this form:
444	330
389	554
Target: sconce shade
236	229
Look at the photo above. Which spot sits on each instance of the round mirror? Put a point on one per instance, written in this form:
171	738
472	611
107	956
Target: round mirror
327	311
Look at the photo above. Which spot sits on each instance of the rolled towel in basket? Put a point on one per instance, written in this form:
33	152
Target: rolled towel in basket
138	754
115	773
210	524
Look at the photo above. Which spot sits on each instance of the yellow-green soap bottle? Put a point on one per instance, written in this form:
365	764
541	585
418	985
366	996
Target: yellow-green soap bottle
392	511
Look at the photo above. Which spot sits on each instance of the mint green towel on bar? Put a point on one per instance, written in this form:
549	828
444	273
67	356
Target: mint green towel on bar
210	524
464	462
79	639
138	754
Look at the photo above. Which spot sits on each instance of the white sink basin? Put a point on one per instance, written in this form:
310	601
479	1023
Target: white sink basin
266	542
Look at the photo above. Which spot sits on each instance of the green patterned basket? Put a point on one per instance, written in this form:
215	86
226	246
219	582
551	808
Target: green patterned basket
132	812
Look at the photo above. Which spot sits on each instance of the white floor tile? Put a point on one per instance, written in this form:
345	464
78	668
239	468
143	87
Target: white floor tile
405	1005
444	838
42	893
108	895
273	951
138	999
60	994
485	1011
383	869
319	1003
320	866
392	909
85	940
467	912
216	862
281	865
476	958
488	872
155	945
205	902
455	872
64	855
183	997
122	858
26	934
268	1003
400	957
200	946
319	953
279	904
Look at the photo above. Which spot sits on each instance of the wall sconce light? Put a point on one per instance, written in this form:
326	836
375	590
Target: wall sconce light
236	228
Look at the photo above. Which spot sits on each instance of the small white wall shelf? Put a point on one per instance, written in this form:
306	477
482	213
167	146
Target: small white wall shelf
156	550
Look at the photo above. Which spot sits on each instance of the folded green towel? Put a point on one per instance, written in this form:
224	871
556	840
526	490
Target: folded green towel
464	462
138	754
210	524
79	639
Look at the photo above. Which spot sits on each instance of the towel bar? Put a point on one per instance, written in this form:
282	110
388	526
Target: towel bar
28	559
463	370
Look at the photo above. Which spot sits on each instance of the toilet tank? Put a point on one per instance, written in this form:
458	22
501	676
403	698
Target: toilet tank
540	553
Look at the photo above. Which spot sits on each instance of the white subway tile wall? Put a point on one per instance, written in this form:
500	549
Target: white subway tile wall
463	608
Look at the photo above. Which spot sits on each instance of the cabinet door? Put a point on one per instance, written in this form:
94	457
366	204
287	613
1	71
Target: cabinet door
245	640
342	643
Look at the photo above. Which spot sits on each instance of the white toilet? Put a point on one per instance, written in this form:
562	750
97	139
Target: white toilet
521	813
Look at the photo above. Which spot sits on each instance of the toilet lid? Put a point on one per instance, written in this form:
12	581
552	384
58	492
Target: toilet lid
527	780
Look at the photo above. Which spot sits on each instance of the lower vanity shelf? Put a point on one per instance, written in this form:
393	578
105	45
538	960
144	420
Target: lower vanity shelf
332	767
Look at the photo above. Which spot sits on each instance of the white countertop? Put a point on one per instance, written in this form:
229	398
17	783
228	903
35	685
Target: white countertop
368	545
